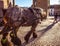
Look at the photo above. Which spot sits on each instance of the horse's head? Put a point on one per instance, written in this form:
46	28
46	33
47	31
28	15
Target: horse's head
41	12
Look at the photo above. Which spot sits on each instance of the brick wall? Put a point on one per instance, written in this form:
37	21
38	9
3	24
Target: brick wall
42	4
4	3
1	4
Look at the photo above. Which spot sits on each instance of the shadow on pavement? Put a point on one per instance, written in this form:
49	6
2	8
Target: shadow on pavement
43	31
16	41
40	35
30	40
48	28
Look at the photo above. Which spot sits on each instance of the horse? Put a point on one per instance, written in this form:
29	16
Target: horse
3	13
21	16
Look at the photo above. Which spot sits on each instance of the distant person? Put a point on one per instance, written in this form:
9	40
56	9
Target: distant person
58	17
55	17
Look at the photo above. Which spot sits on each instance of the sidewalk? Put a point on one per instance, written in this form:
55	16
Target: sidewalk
48	34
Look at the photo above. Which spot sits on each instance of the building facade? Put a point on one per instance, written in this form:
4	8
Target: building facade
56	9
42	4
4	3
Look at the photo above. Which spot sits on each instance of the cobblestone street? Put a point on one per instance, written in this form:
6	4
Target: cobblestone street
48	34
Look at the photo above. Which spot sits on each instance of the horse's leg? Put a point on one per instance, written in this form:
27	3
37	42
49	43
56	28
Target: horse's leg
15	31
31	31
6	29
4	40
34	34
14	37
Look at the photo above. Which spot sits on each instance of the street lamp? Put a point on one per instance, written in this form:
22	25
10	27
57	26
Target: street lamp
13	2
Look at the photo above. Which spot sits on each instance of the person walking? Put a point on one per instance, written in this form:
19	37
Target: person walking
55	17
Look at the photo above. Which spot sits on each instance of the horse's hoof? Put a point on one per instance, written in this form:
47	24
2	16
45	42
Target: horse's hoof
34	35
5	42
26	39
16	41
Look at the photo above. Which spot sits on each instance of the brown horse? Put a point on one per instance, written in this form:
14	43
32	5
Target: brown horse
20	16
